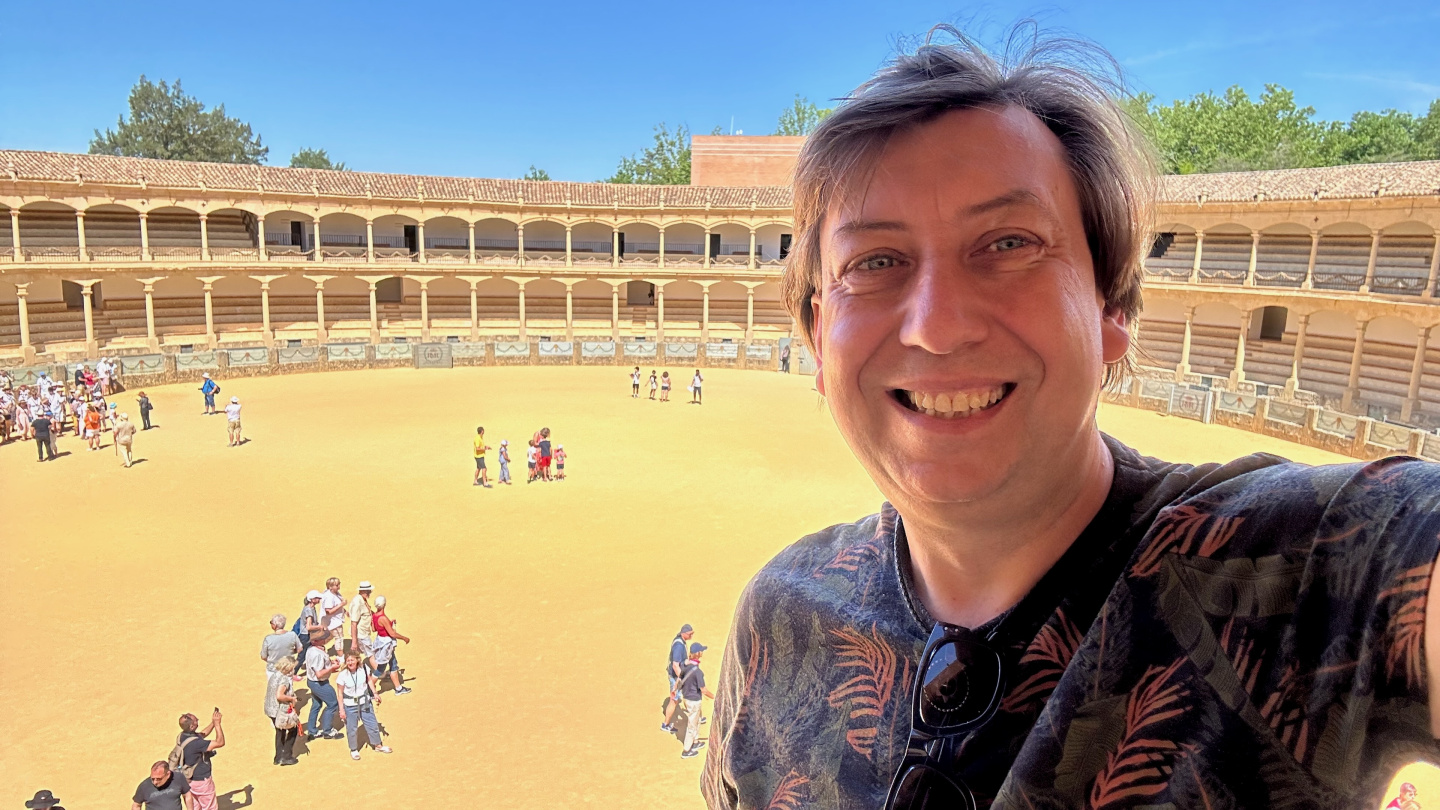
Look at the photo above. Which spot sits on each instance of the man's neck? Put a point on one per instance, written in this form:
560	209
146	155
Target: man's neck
969	570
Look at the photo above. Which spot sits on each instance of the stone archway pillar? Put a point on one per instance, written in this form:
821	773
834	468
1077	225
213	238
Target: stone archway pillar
1292	384
1417	368
1352	386
1183	367
209	282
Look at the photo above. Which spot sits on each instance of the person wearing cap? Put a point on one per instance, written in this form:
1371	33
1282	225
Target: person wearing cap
308	625
162	790
125	437
673	668
560	462
691	688
332	612
44	436
505	461
359	612
280	644
209	388
232	421
384	655
44	800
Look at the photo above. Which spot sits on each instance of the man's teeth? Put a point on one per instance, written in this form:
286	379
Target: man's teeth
952	404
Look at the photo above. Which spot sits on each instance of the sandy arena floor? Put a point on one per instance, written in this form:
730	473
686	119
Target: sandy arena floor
540	614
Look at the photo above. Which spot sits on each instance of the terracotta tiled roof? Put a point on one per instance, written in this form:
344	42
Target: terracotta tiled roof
178	174
1416	179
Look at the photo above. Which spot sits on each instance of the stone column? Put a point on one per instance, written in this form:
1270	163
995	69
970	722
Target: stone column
520	249
22	292
470	243
662	247
705	304
209	282
1434	267
370	242
267	333
319	254
321	333
705	249
1417	368
1254	258
659	308
1293	383
372	281
614	248
474	302
260	242
1370	263
144	236
522	308
569	301
1309	282
15	234
80	235
420	243
152	340
88	292
1199	251
615	311
1237	375
569	257
750	306
204	238
1183	368
751	263
425	310
1352	386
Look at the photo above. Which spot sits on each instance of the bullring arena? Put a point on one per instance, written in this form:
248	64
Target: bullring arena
1287	312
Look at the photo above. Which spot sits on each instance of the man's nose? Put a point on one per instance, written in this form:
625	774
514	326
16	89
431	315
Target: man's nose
943	309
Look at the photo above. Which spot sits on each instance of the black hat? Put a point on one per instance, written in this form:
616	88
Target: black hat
697	647
44	799
685	628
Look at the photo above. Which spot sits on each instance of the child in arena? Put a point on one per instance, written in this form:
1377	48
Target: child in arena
505	461
530	456
560	462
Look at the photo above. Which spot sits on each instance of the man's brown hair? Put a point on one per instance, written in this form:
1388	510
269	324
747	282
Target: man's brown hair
1072	87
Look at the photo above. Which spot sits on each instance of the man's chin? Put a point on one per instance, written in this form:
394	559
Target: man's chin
943	484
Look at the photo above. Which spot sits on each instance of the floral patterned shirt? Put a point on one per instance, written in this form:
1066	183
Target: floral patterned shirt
1243	635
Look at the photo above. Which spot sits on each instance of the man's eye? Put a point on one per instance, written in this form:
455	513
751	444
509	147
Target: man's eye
1009	243
876	263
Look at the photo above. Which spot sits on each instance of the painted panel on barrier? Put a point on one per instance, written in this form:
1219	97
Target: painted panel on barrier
722	351
1191	403
143	364
1395	437
433	355
1236	403
639	349
1287	412
590	348
1430	448
394	351
197	361
247	357
682	351
345	352
556	348
300	354
1338	424
468	350
512	348
1156	389
761	351
28	375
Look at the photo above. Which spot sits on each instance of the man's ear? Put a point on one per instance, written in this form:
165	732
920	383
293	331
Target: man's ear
1114	335
816	336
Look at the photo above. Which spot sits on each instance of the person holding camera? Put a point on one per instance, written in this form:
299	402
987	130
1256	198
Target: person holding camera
357	704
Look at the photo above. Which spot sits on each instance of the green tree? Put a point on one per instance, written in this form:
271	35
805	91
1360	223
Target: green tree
801	117
165	123
308	158
536	174
667	162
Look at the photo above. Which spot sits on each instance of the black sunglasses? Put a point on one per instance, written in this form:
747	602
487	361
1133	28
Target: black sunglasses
961	683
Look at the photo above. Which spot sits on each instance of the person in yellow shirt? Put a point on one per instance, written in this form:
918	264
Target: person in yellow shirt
480	448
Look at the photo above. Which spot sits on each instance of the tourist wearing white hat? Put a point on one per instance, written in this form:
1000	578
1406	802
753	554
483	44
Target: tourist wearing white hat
307	625
232	421
209	389
505	461
359	612
125	437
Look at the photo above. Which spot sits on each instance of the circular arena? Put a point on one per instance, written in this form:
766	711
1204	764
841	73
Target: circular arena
370	322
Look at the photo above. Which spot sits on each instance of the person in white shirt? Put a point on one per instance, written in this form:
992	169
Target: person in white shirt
358	696
232	421
695	383
332	612
635	383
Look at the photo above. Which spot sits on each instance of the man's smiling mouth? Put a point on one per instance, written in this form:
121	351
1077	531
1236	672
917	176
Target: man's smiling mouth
953	404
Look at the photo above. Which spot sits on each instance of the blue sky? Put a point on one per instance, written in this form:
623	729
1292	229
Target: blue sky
484	89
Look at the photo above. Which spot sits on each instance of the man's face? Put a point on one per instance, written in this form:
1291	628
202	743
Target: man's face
960	281
688	635
158	776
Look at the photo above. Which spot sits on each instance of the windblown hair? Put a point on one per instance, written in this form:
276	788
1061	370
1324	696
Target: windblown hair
1071	86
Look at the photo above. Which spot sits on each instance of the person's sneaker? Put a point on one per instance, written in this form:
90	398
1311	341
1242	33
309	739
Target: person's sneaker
335	735
404	690
699	744
690	753
704	720
384	749
667	728
290	761
355	755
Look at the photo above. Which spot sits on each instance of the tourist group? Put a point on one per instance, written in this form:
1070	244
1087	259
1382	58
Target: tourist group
544	461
